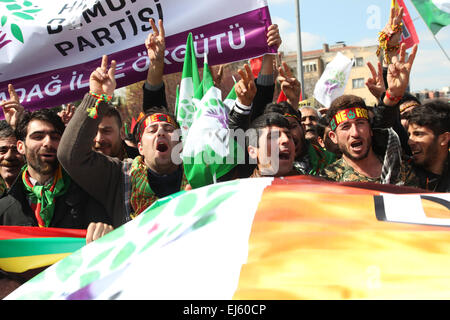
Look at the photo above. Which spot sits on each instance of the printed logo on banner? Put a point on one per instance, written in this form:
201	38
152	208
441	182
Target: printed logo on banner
433	209
13	12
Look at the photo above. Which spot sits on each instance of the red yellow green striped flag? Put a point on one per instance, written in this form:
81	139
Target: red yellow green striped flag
26	248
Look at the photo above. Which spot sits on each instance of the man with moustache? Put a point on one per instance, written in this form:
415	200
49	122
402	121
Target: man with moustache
43	194
110	137
352	131
11	161
361	161
310	119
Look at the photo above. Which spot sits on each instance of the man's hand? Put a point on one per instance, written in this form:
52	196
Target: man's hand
273	36
273	39
102	80
398	74
12	108
289	84
245	88
376	84
97	230
395	18
217	77
156	46
67	113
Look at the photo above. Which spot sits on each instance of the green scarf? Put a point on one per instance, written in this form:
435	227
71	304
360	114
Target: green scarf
43	197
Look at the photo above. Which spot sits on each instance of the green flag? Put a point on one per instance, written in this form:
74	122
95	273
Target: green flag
190	82
435	13
230	99
208	151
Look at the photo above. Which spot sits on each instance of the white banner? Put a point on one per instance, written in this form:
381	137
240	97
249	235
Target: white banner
49	48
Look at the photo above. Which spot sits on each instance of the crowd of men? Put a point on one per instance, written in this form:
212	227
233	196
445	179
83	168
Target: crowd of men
75	169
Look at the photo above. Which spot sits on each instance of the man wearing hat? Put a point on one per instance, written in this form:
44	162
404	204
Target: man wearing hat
125	188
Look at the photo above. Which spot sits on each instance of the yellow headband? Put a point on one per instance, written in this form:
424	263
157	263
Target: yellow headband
348	114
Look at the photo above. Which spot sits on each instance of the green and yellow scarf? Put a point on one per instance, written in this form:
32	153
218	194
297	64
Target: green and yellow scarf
43	197
142	196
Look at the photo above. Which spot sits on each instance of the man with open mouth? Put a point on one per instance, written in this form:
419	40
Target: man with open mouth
271	146
429	136
310	120
126	188
351	130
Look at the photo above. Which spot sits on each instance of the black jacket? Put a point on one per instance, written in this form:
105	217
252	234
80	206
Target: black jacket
432	182
74	210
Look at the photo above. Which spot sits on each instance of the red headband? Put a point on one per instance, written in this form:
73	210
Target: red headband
154	118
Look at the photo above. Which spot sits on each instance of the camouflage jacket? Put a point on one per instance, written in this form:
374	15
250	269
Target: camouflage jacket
341	171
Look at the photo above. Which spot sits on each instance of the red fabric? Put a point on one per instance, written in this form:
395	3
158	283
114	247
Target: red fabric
255	65
409	36
19	232
281	97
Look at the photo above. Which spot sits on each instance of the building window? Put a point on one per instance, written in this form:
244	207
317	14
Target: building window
310	67
358	83
358	62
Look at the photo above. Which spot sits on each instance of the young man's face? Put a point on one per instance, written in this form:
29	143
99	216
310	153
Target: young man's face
354	138
424	145
109	137
11	161
276	152
156	145
40	146
297	135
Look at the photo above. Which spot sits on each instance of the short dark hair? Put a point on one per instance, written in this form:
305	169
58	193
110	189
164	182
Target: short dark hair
6	130
112	111
434	115
283	108
264	121
344	102
46	115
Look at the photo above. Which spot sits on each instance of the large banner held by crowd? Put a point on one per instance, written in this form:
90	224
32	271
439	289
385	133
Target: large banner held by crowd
48	49
266	238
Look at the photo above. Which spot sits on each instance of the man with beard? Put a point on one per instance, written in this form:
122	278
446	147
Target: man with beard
11	161
351	130
43	194
429	136
111	135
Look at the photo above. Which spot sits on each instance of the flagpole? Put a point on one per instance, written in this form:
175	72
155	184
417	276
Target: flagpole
435	39
440	46
299	51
